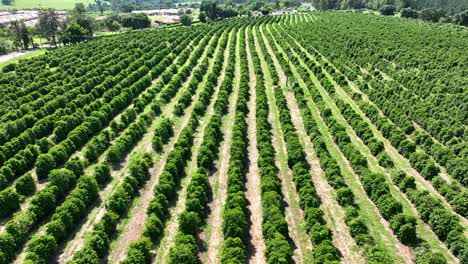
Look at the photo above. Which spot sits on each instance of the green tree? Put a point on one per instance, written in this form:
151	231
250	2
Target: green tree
9	201
186	20
409	13
44	164
25	185
388	10
48	25
211	9
74	33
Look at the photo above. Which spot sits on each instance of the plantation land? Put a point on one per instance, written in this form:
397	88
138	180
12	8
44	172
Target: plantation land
55	4
311	138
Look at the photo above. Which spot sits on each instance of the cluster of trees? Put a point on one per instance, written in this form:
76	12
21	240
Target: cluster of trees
42	204
210	9
443	222
115	21
97	241
450	11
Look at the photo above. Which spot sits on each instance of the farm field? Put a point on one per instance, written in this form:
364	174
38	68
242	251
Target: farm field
34	4
323	137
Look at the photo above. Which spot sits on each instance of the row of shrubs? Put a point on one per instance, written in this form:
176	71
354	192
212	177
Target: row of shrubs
164	87
275	228
93	149
432	211
163	132
60	108
374	184
357	224
199	190
400	99
21	142
442	221
52	203
319	232
455	194
96	244
166	189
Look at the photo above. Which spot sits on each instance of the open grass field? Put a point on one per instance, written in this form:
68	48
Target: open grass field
323	137
32	4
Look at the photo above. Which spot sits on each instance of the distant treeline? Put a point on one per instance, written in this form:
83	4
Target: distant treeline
450	7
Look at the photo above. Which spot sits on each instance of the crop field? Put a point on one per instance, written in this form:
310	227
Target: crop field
34	4
324	137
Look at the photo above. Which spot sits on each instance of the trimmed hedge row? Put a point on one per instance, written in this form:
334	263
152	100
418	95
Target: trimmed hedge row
199	188
97	241
52	204
320	234
275	227
174	170
404	226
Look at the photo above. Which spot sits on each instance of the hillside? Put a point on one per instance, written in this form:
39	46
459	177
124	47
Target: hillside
321	137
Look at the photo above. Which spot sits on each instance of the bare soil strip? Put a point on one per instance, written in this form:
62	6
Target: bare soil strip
171	228
294	214
253	194
334	213
214	239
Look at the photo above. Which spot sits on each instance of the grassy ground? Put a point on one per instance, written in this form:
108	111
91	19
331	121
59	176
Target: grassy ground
56	4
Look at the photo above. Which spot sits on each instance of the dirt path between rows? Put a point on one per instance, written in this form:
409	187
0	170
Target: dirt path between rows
333	212
215	219
253	182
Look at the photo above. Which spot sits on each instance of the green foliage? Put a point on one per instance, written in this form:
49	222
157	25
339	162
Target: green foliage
9	199
388	10
25	185
186	20
44	164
